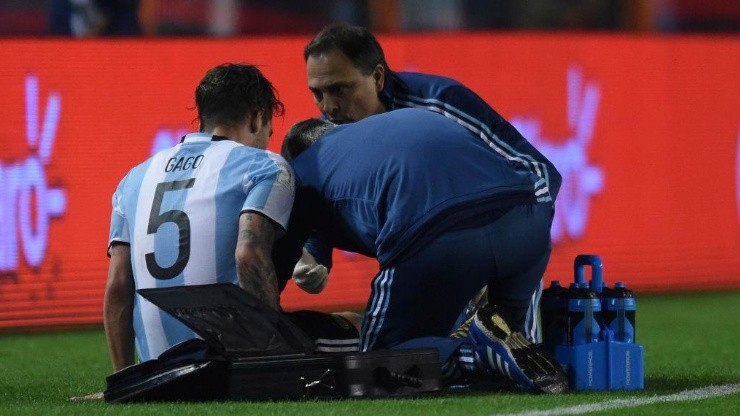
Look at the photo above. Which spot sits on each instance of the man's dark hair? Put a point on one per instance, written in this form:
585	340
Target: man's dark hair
229	93
302	135
360	46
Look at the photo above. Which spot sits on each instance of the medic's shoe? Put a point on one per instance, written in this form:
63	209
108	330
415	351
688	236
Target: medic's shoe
502	351
479	300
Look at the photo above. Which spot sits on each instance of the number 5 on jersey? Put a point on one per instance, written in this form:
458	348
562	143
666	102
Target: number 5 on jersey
180	219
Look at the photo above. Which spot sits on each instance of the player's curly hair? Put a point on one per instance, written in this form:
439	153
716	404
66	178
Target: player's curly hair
229	93
360	46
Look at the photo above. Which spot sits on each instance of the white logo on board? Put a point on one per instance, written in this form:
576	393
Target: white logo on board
27	202
582	179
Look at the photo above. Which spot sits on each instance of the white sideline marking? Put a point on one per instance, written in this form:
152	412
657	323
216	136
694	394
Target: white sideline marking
696	394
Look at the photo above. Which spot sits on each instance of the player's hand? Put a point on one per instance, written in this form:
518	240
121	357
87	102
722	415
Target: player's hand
309	275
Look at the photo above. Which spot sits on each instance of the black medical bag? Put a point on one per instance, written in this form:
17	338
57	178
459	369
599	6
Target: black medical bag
250	351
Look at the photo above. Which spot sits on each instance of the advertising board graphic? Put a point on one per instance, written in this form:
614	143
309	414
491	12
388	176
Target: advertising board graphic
645	132
27	203
582	180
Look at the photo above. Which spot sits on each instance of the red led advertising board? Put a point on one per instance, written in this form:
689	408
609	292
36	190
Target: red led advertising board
645	131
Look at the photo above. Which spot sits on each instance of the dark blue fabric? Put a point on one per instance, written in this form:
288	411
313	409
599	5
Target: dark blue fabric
445	95
390	180
508	252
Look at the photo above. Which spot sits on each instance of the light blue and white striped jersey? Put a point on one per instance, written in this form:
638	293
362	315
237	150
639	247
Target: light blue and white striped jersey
179	211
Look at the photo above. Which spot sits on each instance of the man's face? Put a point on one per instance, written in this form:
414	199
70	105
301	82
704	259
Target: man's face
341	91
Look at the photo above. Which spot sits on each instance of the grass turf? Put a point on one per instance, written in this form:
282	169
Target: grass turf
690	342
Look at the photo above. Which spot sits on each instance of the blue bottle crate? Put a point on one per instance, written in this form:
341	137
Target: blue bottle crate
606	364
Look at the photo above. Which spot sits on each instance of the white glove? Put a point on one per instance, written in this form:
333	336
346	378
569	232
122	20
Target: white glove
309	275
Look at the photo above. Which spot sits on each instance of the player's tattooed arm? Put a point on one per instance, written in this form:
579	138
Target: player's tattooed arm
254	257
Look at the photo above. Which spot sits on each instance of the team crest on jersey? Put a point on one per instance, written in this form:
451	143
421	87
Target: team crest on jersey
285	177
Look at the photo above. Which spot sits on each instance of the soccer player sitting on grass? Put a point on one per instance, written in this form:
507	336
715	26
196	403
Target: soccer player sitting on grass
204	211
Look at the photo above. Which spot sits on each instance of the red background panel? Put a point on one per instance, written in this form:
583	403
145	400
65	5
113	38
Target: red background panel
649	158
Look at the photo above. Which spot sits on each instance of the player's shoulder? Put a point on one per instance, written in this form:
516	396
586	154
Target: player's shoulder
253	161
136	173
279	162
257	155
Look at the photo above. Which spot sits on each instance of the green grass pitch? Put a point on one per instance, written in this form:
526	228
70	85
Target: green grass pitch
691	341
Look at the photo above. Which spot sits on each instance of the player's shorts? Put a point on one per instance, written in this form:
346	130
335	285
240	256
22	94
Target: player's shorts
329	332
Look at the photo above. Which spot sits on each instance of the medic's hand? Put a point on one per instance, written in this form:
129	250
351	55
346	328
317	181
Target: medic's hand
309	275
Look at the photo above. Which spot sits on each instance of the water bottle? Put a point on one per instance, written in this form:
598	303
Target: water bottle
554	310
584	314
618	312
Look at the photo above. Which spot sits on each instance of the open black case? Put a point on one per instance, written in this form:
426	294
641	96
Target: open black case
250	351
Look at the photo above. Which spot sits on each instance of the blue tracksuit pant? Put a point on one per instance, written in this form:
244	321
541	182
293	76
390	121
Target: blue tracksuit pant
417	301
